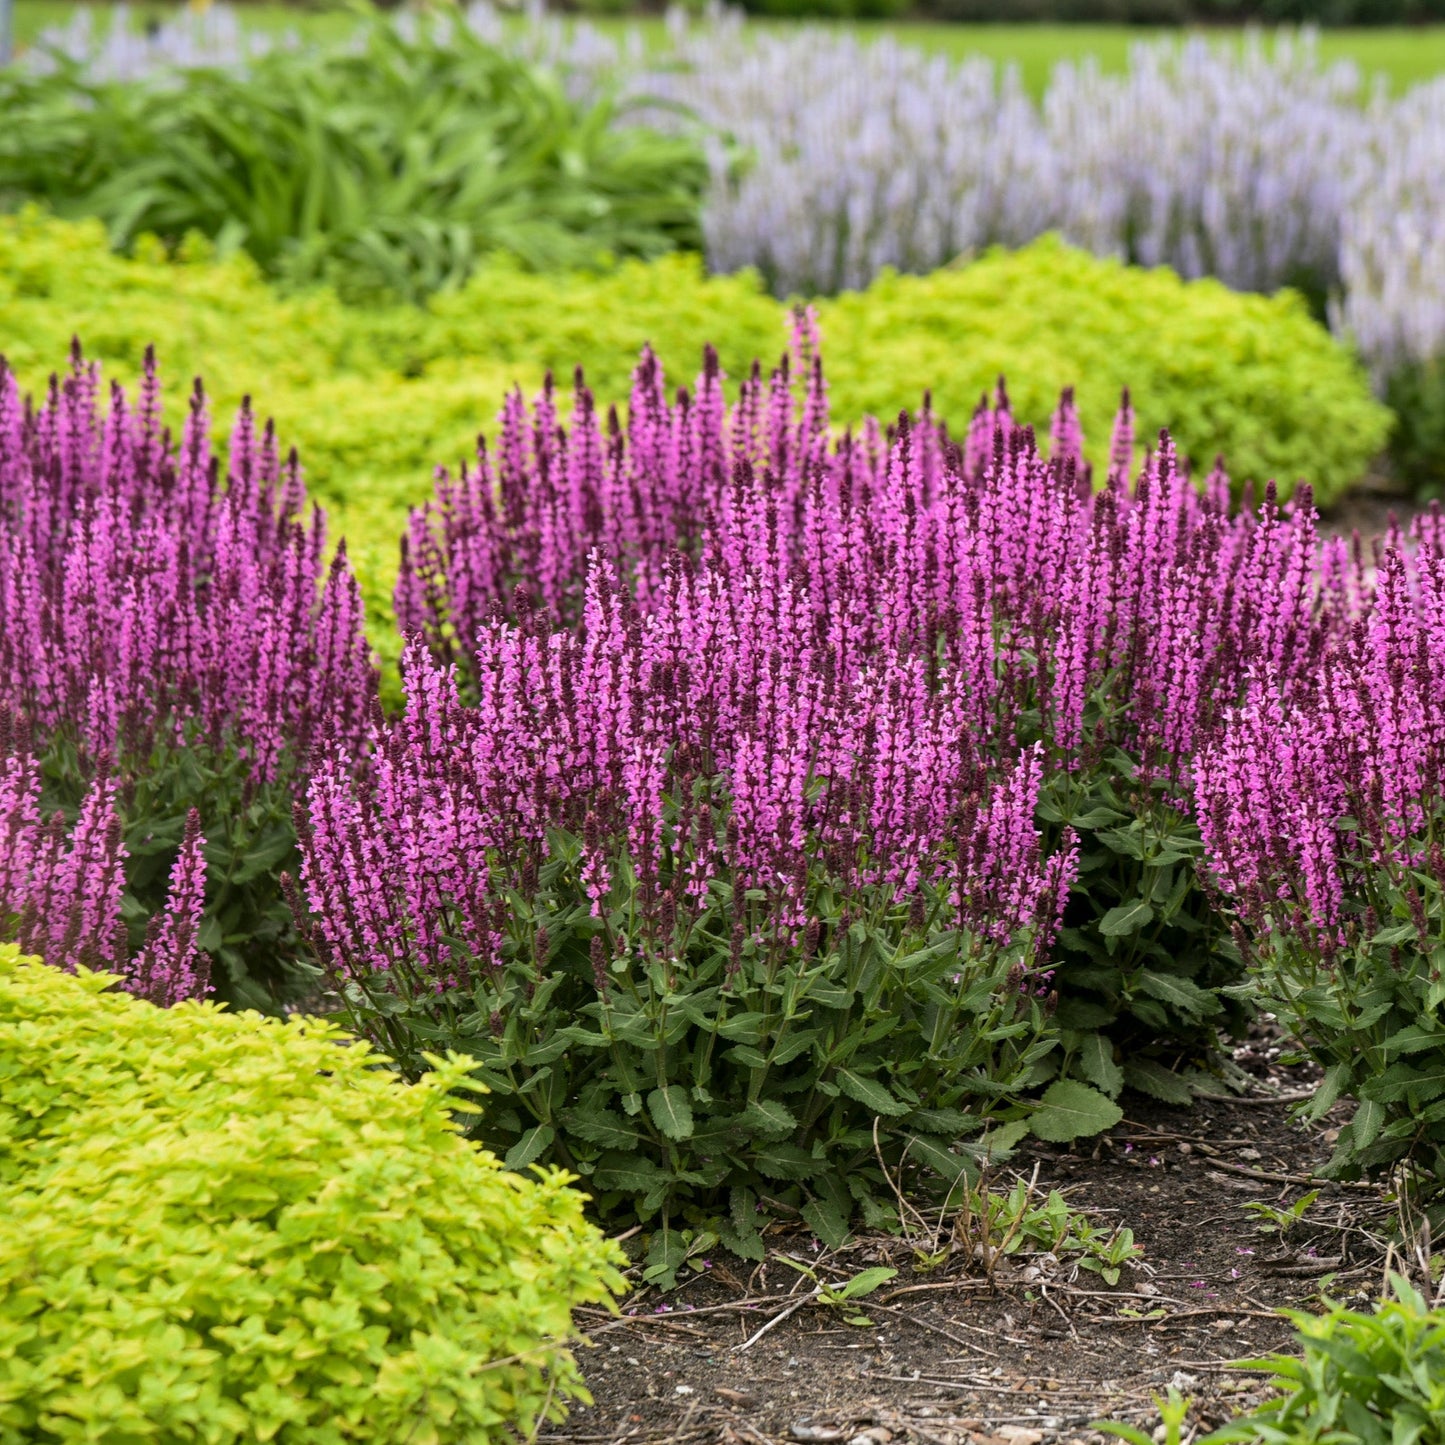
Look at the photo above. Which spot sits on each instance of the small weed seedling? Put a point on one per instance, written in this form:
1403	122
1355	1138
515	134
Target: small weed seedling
1173	1412
841	1296
1273	1220
992	1225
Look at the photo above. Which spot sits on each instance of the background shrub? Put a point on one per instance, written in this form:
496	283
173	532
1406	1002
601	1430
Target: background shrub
221	1227
1416	394
833	156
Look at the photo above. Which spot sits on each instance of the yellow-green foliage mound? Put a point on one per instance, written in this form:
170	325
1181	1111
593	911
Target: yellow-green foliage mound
1252	377
375	399
219	1227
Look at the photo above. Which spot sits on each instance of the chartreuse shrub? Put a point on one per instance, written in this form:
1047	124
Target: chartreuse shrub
219	1227
1250	377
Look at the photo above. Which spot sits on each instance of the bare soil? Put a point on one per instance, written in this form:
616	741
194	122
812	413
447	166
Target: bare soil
1368	509
1035	1353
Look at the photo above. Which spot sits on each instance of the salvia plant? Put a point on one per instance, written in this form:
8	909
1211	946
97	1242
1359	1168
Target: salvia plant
771	805
726	934
832	158
62	892
1254	163
1192	159
1320	809
774	808
1392	297
846	157
172	645
1257	164
1108	628
1392	238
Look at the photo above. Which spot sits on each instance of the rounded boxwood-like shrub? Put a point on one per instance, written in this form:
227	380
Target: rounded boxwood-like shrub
1254	378
219	1227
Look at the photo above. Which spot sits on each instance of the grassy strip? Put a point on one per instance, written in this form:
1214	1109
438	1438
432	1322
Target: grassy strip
1406	56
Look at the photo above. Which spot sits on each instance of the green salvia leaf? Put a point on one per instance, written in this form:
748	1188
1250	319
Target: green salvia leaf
870	1093
1126	919
1071	1110
671	1111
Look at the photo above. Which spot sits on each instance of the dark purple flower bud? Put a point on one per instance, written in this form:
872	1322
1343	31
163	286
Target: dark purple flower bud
812	935
917	913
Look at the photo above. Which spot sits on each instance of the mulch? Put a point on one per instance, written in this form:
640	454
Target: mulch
1369	509
1034	1353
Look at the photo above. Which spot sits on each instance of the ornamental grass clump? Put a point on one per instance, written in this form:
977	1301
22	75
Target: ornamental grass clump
221	1227
1321	815
387	165
170	649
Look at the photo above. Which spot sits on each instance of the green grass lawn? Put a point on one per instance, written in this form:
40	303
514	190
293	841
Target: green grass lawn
1405	56
34	16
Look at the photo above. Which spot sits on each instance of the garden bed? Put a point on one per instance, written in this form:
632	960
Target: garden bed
782	827
952	1358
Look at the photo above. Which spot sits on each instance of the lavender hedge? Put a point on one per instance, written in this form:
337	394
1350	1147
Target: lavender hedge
1259	165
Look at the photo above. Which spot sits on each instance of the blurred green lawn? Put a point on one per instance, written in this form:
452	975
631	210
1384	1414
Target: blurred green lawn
1404	55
